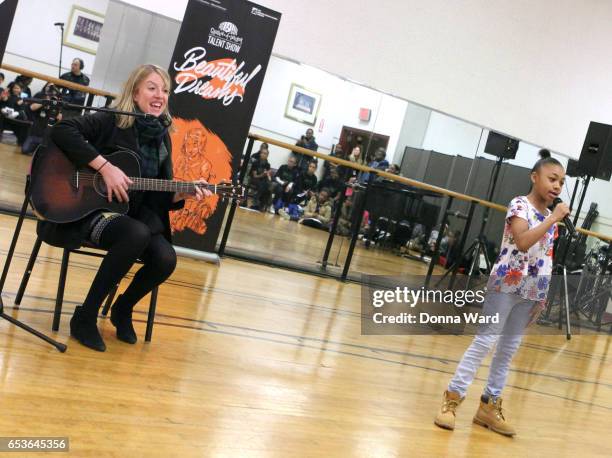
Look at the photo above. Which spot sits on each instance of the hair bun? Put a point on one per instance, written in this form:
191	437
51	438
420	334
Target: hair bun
544	153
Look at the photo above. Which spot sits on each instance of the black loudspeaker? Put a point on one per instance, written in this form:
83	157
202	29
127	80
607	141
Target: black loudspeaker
596	155
501	146
573	169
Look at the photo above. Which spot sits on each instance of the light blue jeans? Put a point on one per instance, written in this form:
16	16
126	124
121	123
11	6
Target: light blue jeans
514	315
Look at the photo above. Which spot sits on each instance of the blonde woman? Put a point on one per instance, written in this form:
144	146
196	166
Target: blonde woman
356	155
144	233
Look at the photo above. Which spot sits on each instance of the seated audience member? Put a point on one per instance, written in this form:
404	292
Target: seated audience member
13	115
24	82
433	237
40	118
1	82
261	147
318	212
327	166
379	163
356	157
333	184
285	183
306	141
344	221
260	180
392	169
308	183
451	252
75	75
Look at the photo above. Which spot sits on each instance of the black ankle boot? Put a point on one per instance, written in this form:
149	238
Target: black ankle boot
121	317
85	330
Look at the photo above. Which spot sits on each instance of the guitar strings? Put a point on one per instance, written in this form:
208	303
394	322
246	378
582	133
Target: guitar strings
89	178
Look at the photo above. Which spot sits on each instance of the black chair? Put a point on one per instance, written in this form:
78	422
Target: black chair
59	298
402	233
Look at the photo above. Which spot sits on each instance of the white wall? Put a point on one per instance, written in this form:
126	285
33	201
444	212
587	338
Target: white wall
414	129
340	104
34	42
452	136
536	70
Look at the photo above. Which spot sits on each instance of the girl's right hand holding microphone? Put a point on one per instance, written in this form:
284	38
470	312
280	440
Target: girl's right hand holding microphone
560	211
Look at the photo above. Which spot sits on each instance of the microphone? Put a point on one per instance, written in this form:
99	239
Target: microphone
566	220
61	24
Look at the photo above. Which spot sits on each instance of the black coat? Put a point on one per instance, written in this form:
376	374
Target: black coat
82	139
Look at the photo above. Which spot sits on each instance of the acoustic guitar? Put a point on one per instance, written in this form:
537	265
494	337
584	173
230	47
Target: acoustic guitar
62	193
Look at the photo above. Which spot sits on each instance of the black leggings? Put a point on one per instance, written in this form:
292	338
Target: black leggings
127	240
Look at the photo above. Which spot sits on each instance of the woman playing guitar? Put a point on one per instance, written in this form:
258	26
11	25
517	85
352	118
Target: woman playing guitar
144	232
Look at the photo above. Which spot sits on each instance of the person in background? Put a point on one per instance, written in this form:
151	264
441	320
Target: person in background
263	146
1	82
327	166
308	183
306	141
283	187
260	179
24	82
392	169
344	222
355	157
40	118
75	75
252	159
318	210
13	115
333	184
379	163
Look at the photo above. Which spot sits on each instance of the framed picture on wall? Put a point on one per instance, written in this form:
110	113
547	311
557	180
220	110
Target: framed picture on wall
303	105
83	29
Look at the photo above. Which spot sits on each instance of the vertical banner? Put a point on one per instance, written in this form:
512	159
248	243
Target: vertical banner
7	11
217	69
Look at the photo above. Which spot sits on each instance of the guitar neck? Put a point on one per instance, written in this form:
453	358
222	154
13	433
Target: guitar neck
154	184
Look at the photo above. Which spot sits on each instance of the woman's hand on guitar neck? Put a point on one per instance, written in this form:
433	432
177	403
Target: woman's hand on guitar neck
117	183
199	193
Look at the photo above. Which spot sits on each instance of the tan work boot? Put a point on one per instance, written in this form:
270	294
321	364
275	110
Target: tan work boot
446	416
490	416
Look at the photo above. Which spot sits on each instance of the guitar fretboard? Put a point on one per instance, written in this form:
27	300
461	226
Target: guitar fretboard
154	184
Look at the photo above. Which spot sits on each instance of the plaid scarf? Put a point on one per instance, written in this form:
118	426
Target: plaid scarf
153	152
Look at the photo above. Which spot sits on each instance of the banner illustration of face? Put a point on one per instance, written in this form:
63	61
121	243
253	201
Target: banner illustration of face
199	154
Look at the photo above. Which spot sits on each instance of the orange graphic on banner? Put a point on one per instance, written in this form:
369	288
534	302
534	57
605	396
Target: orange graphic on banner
198	154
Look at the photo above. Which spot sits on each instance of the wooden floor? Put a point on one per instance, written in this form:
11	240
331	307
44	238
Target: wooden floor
254	361
248	360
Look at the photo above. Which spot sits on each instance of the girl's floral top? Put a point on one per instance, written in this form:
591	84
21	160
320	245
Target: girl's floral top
526	274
